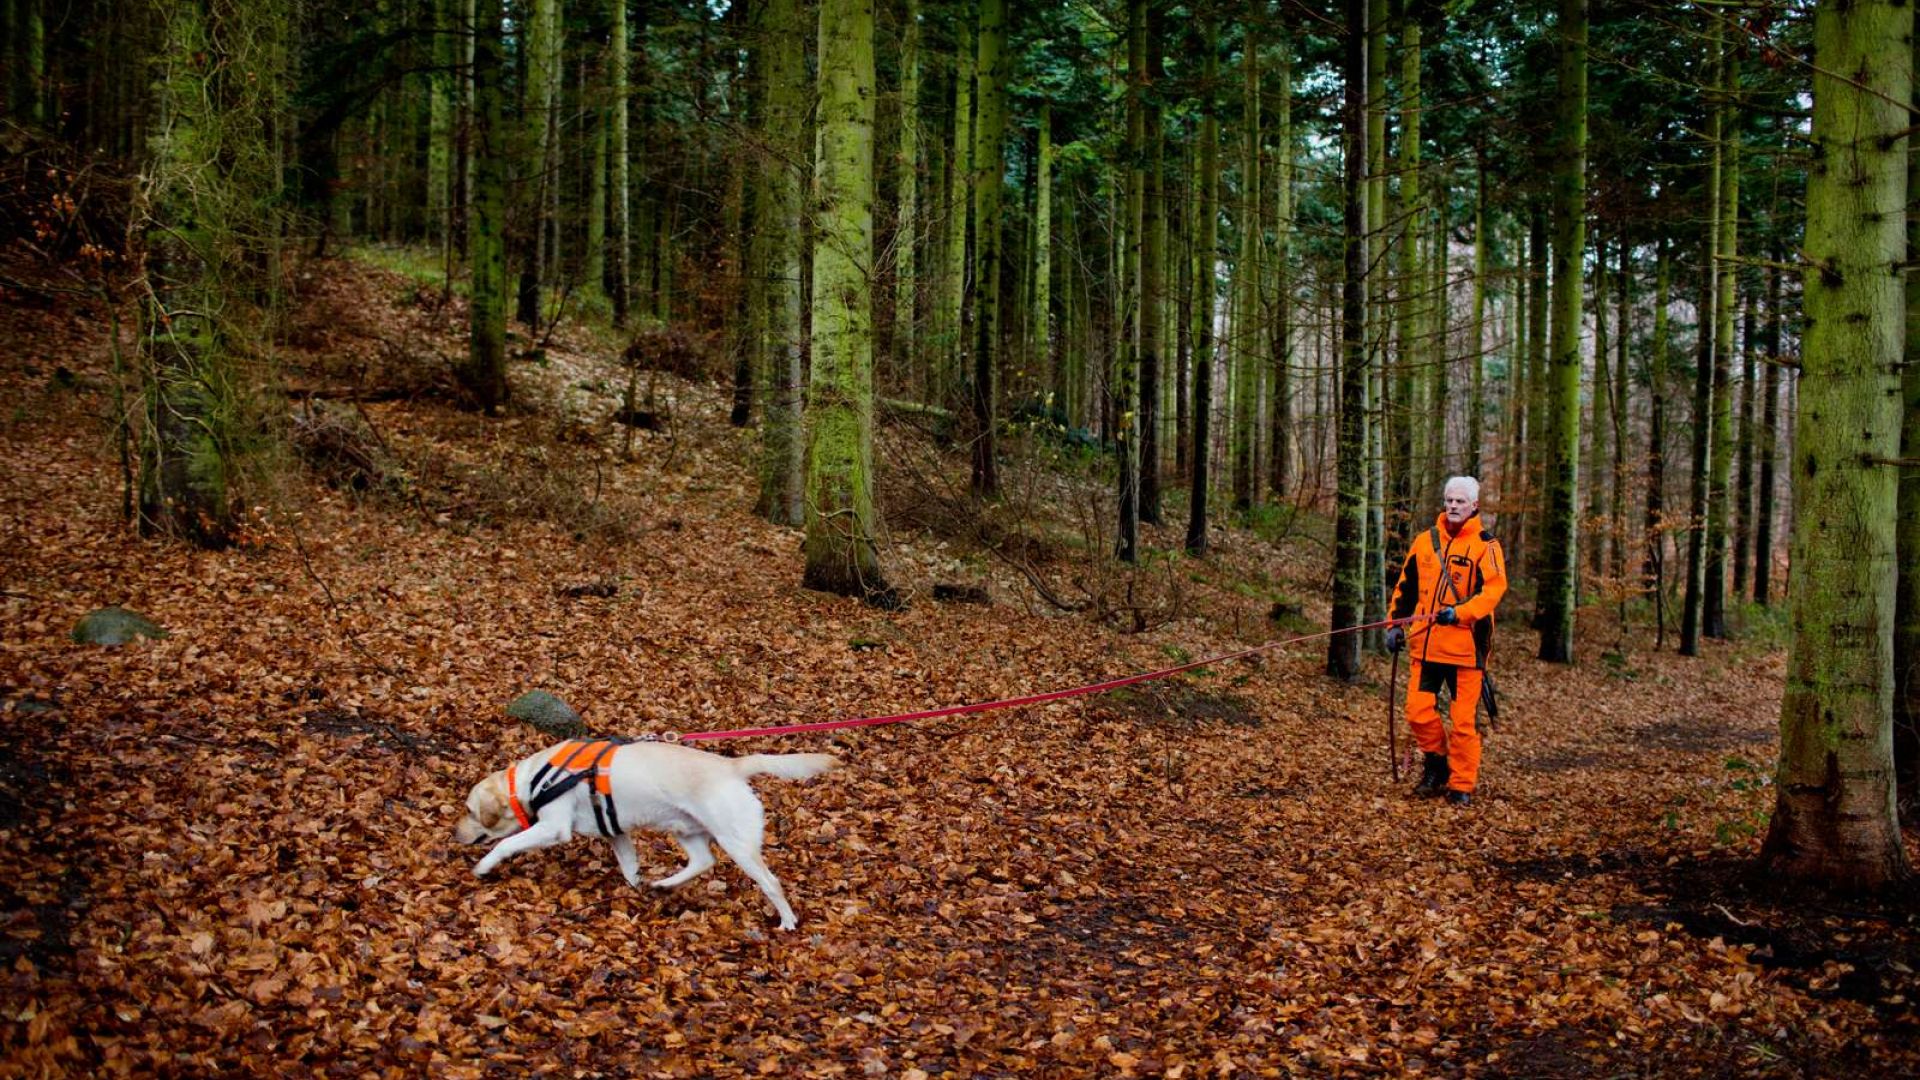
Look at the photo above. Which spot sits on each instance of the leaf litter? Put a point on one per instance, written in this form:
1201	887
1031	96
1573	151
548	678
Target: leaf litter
229	850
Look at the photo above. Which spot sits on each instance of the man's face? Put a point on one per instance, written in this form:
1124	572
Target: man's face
1458	505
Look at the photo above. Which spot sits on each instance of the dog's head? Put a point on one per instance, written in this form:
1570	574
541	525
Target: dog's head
489	817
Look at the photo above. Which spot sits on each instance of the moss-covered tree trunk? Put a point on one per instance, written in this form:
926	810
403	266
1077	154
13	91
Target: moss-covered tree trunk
539	57
484	376
1415	350
1282	440
1246	285
1349	565
1379	407
989	165
1205	258
953	351
841	523
1559	571
1834	816
1906	625
778	207
1713	601
906	243
439	90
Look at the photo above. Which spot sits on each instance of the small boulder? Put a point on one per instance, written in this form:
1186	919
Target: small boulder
547	714
114	626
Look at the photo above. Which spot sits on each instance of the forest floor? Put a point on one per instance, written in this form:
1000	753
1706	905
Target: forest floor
228	852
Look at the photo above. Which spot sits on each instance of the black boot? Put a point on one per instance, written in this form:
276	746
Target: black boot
1433	776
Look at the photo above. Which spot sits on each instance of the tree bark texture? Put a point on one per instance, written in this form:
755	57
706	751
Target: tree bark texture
1349	567
1559	568
841	549
1834	817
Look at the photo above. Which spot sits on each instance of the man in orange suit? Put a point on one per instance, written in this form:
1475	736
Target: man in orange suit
1456	574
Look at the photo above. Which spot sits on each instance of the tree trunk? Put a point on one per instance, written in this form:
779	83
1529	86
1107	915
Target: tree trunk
1559	569
485	374
1205	241
841	523
906	241
1692	605
1246	282
1834	816
1534	425
989	165
1654	564
1713	605
959	215
439	89
1906	616
1349	567
620	49
1416	344
1282	442
1152	304
1379	404
594	273
1769	450
778	208
1439	391
1593	537
1617	478
1477	331
1742	490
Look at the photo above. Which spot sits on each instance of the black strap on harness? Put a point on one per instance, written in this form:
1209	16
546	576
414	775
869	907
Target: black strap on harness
552	781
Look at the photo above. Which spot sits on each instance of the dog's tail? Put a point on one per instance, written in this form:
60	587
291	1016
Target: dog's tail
785	766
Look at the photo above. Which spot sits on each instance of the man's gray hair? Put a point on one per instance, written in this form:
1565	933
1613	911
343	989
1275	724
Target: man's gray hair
1468	482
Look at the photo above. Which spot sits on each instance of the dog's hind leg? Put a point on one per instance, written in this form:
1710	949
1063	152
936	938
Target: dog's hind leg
745	852
628	858
699	860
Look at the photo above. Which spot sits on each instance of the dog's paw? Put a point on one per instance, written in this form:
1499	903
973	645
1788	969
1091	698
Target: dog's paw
788	924
482	868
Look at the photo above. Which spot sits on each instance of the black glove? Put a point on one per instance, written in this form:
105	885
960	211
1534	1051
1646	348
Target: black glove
1396	638
1446	617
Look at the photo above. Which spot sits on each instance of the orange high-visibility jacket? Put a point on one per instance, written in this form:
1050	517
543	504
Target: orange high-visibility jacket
1465	571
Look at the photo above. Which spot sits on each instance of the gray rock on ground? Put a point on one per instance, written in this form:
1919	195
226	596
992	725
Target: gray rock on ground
114	626
548	714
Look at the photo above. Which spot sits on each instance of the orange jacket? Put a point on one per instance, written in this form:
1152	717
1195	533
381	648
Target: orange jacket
1475	579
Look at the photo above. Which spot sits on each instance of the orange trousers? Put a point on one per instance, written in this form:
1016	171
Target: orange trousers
1462	746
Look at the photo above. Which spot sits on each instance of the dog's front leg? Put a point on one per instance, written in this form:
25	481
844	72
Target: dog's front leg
628	858
543	834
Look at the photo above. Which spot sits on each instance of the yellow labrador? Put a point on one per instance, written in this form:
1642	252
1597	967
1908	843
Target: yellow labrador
613	788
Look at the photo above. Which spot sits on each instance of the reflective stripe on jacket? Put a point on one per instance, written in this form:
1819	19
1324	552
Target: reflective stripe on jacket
1465	571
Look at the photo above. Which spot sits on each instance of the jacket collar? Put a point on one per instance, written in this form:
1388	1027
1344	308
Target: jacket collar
1469	529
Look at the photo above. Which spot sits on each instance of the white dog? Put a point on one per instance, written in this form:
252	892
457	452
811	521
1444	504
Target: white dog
611	788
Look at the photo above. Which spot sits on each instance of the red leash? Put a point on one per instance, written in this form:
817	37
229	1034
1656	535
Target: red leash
1030	699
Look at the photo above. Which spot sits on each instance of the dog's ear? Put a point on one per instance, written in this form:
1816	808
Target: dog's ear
488	800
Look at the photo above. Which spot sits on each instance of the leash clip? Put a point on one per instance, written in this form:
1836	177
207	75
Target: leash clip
661	736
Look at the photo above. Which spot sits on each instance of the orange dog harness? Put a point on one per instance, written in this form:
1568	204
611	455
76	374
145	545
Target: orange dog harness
570	763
